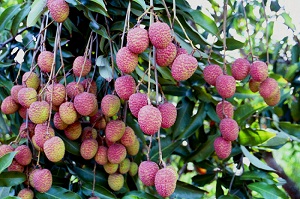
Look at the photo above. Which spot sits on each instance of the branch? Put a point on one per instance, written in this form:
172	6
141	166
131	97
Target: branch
13	37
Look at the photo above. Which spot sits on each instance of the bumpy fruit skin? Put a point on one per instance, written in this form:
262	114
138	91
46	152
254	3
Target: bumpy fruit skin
228	109
9	106
133	149
101	155
272	101
211	72
94	197
42	180
184	67
26	194
254	86
58	92
124	166
31	80
240	68
98	120
259	71
58	123
165	181
27	96
137	40
67	112
147	171
42	133
38	112
81	63
85	103
229	129
225	86
136	102
88	132
88	148
45	61
128	137
114	130
126	60
160	34
110	105
222	147
54	149
73	131
89	85
74	89
125	86
149	119
14	92
4	149
133	169
116	153
15	166
166	56
59	10
168	113
30	178
24	155
268	88
116	181
22	112
110	168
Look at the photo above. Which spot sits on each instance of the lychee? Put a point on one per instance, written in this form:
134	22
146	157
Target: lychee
29	131
240	68
259	71
149	119
268	88
30	178
137	40
15	166
160	34
222	147
9	106
67	112
81	66
45	61
166	56
42	134
133	169
116	153
85	103
110	168
27	96
115	181
165	181
225	86
74	89
110	105
124	166
59	10
272	101
33	140
14	92
89	85
147	171
24	155
114	130
254	86
31	80
229	129
133	149
211	72
125	86
98	120
101	155
168	113
88	133
56	93
126	60
22	112
136	102
26	193
4	149
38	112
224	109
184	67
42	180
128	137
88	148
58	123
73	131
54	149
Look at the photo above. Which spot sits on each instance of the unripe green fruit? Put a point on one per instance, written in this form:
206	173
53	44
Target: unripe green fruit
165	181
27	96
126	60
110	105
225	86
42	180
184	67
137	40
39	111
67	112
124	166
133	149
116	181
147	171
88	148
24	155
254	86
133	169
110	168
101	155
9	106
259	71
31	80
222	147
160	34
125	86
240	68
45	61
136	102
54	149
26	193
224	109
114	130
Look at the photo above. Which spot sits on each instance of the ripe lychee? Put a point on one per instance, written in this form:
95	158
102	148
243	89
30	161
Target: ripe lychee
26	193
15	166
149	119
165	181
211	72
59	10
67	112
22	112
137	40
110	105
114	130
240	68
14	92
101	155
224	109
136	102
85	103
73	131
56	93
116	153
225	86
24	155
147	171
23	130
74	89
42	180
81	65
272	101
268	88
9	106
160	34
222	147
126	60
30	178
124	166
98	120
38	112
125	86
94	197
133	169
27	96
42	134
58	123
89	85
4	149
88	148
128	137
168	113
33	140
31	80
166	56
229	129
110	168
254	86
115	181
184	67
133	149
45	61
88	133
54	149
259	71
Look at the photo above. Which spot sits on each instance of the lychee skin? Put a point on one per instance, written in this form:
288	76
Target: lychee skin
268	88
147	171
165	181
88	149
114	130
81	64
126	60
116	153
74	89
73	131
45	61
14	92
22	112
24	155
229	129
224	108
168	113
58	92
110	105
166	56
149	119
137	40
59	10
67	112
133	169
133	149
124	166
184	67
42	133
125	86
110	168
225	86
23	130
26	193
89	85
240	68
254	86
89	132
211	72
30	178
85	103
101	155
272	101
58	123
136	102
128	137
31	80
15	166
9	106
38	112
98	120
259	71
27	96
54	149
115	181
42	180
222	147
4	149
160	34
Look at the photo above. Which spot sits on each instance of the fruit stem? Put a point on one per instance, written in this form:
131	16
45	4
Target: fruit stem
38	160
234	174
169	16
149	75
126	23
94	179
224	33
247	29
187	37
125	111
142	79
140	18
267	31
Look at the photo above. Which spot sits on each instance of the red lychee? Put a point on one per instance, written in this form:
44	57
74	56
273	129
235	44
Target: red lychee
85	103
89	85
24	155
9	106
42	133
45	61
39	111
42	180
125	86
166	56
165	181
160	34
101	155
259	71
56	93
254	86
211	72
58	123
116	153
229	129
168	113
222	147
67	112
272	101
240	68
149	119
224	109
81	66
268	88
74	89
27	96
147	171
133	149
126	60
54	149
88	148
59	10
4	149
128	137
184	67
110	105
137	40
225	86
73	131
136	102
14	92
114	130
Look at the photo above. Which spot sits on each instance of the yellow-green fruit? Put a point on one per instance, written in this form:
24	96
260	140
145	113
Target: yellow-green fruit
9	106
59	10
67	112
33	139
56	93
160	34
85	103
74	89
137	40
58	123
81	66
149	119
126	60
110	168
31	80
15	166
73	131
116	153
42	180
166	56
133	169
88	133
272	101
42	134
110	105
54	149
88	148
45	61
101	155
133	149
14	92
128	137
27	96
114	130
38	112
124	166
24	155
89	85
115	181
4	149
30	178
26	193
165	181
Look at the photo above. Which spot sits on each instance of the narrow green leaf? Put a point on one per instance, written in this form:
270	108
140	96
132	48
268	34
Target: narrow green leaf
256	175
185	190
288	20
7	15
57	192
37	9
228	197
205	22
100	191
8	179
267	191
71	146
138	194
95	7
18	19
141	3
86	174
167	148
246	110
166	73
233	44
99	29
250	137
12	197
100	3
289	128
280	139
6	160
202	180
291	72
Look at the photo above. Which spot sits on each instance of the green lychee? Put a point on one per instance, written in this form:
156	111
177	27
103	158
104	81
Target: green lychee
168	113
54	149
81	66
137	40
101	155
110	168
45	61
224	109
39	111
31	80
73	131
9	106
110	105
149	119
254	86
160	34
125	86
24	155
222	147
165	181
259	71
85	103
27	96
88	148
133	169
229	129
225	86
42	180
240	68
184	67
147	171
166	56
116	153
126	60
114	130
124	166
133	149
116	181
67	112
136	102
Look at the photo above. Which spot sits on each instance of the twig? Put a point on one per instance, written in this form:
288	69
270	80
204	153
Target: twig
267	32
247	29
224	32
125	23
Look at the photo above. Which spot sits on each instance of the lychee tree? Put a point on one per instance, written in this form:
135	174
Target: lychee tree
146	99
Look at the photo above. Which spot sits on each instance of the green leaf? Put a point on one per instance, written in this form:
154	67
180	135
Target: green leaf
280	139
70	26
101	3
228	197
6	160
250	137
185	190
138	195
141	3
100	191
292	129
205	22
86	174
291	72
246	110
166	73
167	148
57	192
295	53
202	180
8	179
256	175
288	21
104	68
255	161
37	9
7	15
18	19
12	197
275	6
267	191
99	29
95	7
4	191
71	146
233	44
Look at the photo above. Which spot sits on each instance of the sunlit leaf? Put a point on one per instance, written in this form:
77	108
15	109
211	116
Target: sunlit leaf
19	18
6	160
37	9
250	137
57	192
205	22
288	20
8	15
266	190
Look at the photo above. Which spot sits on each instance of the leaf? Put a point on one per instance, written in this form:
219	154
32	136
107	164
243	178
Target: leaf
141	3
295	53
95	7
100	191
266	190
12	178
86	174
289	128
233	44
37	9
167	148
280	139
57	192
166	73
288	21
205	22
7	15
18	19
250	137
6	160
256	175
100	3
228	197
71	146
138	195
104	68
185	190
255	161
274	6
291	72
4	191
12	197
202	180
246	110
99	29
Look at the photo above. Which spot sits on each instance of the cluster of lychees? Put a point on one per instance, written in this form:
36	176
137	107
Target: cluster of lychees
226	86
